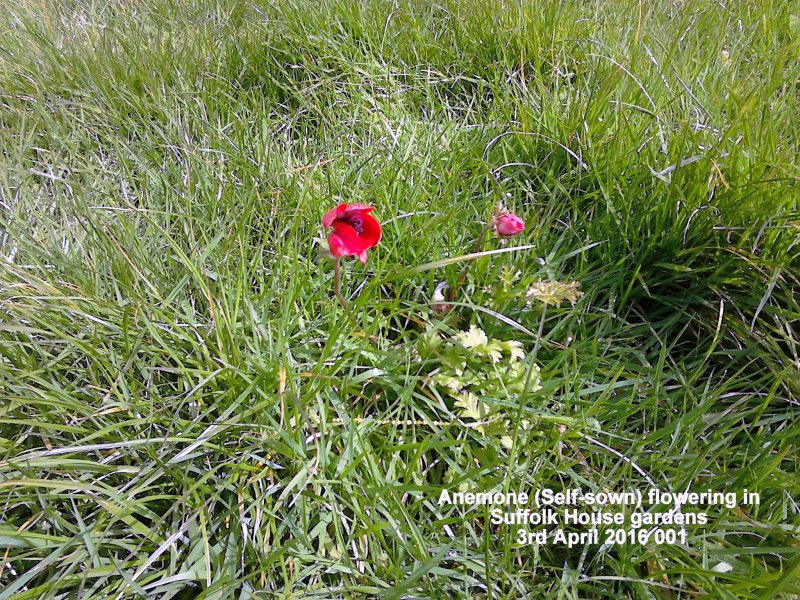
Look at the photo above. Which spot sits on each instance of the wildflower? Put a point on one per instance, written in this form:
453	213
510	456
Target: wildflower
555	292
508	224
354	230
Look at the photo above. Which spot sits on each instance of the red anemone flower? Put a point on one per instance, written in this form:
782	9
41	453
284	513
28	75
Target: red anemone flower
354	230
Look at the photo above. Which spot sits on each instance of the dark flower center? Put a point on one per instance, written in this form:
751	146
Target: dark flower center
355	221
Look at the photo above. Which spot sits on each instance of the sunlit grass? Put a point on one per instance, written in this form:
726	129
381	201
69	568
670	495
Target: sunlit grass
188	412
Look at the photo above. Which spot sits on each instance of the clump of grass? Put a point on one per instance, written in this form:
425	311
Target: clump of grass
188	413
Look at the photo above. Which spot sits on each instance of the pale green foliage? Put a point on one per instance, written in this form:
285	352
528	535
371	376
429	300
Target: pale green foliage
476	371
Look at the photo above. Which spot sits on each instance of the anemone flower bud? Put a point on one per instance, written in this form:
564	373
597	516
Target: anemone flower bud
508	225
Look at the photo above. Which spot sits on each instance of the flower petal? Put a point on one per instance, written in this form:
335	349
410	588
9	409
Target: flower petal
370	230
332	214
336	245
508	225
351	242
342	210
362	208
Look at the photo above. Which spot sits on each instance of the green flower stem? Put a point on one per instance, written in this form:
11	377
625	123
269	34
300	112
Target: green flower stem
337	288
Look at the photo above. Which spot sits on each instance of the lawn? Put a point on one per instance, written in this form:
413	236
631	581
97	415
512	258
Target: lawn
188	411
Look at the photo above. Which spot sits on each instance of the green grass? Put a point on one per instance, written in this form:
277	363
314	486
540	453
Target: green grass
187	411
